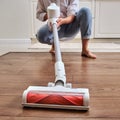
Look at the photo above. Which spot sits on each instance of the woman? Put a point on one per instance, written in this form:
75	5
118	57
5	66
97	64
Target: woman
71	21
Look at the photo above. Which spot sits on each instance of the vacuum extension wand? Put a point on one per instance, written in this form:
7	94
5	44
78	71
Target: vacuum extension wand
59	94
53	14
59	65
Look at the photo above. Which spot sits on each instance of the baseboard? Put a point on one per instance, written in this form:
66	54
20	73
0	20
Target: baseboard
105	40
92	40
25	41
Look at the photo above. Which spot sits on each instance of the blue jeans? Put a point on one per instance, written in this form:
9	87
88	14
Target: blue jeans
82	23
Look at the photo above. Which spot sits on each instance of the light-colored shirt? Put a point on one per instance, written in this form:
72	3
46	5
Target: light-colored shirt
67	7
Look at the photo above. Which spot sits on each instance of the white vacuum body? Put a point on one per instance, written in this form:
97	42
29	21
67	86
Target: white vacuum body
58	94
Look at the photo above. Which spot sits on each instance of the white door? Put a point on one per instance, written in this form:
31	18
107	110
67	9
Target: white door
107	19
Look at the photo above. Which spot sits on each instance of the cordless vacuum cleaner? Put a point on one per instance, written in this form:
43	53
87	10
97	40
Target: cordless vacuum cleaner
58	94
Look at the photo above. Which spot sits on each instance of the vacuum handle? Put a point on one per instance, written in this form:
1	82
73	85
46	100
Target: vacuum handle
53	12
56	43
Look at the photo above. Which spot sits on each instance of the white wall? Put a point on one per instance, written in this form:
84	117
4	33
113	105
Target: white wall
14	19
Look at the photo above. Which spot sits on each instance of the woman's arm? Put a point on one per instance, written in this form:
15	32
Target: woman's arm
72	9
41	13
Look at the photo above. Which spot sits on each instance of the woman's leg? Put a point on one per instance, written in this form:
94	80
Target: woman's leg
85	17
45	36
82	24
85	50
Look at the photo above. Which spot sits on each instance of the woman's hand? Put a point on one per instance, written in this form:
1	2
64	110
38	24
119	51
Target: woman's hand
60	21
66	20
45	17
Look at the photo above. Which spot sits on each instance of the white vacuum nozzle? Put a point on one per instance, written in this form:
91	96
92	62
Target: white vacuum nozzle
56	97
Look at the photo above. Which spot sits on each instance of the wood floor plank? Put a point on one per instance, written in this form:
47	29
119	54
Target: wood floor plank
101	76
37	118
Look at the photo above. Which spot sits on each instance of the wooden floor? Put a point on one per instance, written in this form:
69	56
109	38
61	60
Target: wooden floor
101	76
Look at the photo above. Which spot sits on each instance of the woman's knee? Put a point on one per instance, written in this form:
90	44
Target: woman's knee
44	35
40	36
85	12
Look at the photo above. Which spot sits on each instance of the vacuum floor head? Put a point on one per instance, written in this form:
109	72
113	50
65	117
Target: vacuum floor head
56	97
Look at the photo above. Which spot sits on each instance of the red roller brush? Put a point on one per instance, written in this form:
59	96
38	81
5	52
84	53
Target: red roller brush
58	94
55	98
